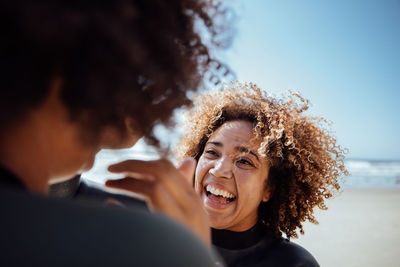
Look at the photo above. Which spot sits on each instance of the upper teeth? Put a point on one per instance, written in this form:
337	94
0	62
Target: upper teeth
219	192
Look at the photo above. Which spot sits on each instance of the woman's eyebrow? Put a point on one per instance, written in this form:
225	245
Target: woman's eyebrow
246	150
238	148
215	144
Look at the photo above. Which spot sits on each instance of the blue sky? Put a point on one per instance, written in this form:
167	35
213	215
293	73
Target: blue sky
341	55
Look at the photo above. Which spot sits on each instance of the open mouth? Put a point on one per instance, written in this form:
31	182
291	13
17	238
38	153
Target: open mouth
219	195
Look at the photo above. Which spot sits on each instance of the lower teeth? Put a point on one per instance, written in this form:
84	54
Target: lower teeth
225	200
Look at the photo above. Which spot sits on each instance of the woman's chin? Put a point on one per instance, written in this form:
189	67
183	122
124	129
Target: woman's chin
218	221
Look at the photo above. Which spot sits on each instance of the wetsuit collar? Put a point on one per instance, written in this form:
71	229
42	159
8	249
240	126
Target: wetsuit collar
238	240
66	188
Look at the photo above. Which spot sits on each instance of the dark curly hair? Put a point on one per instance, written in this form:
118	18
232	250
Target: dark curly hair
117	59
305	162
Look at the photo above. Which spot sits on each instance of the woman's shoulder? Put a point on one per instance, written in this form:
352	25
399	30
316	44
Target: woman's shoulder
108	236
291	254
269	251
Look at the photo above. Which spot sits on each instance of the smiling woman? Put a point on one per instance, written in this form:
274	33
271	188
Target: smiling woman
231	178
262	168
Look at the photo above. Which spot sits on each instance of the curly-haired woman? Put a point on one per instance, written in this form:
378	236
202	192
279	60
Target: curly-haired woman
263	165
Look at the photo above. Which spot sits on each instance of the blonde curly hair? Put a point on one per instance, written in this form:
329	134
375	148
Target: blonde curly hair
305	161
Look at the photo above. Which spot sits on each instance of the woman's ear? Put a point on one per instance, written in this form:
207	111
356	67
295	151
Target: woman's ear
268	191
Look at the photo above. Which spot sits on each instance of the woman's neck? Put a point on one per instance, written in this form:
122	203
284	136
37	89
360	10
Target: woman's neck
22	153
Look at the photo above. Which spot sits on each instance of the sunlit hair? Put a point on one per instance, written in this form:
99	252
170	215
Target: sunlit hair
305	161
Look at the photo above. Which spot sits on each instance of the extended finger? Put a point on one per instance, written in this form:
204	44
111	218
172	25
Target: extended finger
161	170
131	185
157	198
187	168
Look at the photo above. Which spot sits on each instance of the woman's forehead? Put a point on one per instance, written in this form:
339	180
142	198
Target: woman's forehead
238	132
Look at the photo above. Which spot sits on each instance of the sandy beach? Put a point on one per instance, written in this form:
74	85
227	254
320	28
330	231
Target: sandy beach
360	228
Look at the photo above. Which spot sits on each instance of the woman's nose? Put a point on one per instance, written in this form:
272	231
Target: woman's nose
222	168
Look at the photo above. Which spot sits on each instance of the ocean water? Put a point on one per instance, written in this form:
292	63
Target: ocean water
363	173
372	173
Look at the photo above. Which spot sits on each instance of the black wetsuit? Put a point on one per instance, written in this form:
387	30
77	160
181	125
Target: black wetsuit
256	247
81	190
44	231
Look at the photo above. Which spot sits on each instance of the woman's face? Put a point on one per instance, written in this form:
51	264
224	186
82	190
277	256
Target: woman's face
231	177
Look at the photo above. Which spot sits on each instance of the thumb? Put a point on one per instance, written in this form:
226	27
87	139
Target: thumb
187	168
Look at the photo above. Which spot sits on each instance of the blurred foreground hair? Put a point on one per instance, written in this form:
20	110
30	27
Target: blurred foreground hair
116	59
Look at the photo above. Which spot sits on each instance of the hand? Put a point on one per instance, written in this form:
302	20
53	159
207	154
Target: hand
166	189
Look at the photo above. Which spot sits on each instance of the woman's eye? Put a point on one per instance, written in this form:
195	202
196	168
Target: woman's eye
245	162
211	153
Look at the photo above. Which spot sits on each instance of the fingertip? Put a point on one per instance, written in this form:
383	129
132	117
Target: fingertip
115	168
111	168
122	166
108	182
112	183
189	161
